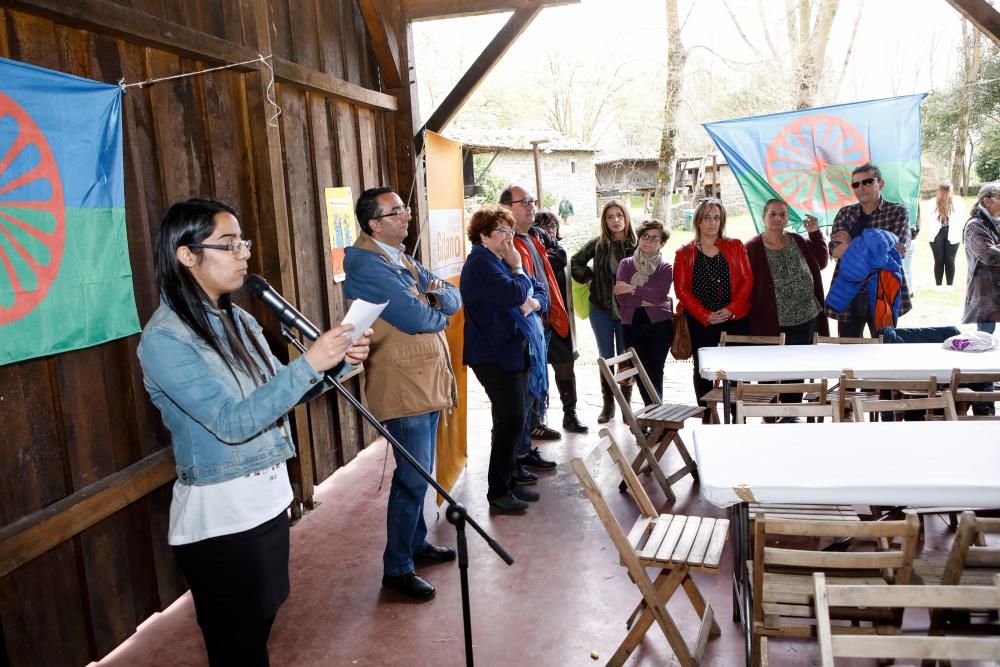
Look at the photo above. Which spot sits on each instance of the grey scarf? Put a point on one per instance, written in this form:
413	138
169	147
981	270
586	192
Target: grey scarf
645	266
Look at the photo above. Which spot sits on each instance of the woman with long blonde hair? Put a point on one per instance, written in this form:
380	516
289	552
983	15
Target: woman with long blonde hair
946	238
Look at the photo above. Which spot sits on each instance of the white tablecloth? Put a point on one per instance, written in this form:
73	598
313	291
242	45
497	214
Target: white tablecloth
880	463
788	362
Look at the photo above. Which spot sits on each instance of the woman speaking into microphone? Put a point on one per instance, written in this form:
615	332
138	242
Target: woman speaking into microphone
223	397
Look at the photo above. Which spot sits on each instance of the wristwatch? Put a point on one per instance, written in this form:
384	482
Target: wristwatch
432	299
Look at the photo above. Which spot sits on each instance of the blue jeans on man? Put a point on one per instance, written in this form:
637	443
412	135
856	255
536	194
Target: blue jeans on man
406	531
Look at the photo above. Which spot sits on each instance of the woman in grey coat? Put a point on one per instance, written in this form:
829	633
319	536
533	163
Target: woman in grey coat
982	250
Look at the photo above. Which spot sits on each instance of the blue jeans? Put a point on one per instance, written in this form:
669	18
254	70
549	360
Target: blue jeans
609	333
988	327
406	532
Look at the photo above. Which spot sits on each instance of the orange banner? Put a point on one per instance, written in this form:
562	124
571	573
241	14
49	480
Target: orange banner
444	239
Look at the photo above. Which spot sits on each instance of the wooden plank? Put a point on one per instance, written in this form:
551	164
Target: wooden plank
302	19
428	10
352	41
666	552
982	15
36	533
479	70
701	540
329	38
829	559
656	537
110	18
713	555
383	41
687	539
639	529
942	648
368	148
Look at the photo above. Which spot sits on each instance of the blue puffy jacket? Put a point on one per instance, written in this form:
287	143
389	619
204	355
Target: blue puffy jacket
868	254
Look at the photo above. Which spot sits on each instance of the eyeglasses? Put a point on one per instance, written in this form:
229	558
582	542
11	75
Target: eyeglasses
864	181
399	210
506	231
527	202
235	247
651	237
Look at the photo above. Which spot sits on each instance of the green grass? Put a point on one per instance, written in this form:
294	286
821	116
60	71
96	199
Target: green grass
931	306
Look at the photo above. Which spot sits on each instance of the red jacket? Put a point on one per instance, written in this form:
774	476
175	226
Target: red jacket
740	279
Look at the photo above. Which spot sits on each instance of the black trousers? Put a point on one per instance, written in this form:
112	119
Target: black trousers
798	334
238	583
651	341
507	391
944	256
708	336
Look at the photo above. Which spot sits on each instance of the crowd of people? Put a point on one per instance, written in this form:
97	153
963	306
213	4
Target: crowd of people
224	396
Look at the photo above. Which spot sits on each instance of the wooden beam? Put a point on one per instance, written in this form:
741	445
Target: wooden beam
384	43
33	535
478	71
980	14
426	10
140	28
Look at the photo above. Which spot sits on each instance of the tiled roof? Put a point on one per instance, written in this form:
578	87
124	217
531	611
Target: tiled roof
515	139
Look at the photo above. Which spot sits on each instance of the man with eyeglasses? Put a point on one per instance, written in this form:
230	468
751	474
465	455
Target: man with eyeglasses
871	212
535	260
408	373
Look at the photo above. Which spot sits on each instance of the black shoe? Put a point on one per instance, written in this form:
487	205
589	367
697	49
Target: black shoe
543	432
435	554
508	505
573	425
410	585
523	477
535	461
525	494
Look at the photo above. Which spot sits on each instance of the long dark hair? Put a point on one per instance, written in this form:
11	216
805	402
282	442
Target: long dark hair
184	223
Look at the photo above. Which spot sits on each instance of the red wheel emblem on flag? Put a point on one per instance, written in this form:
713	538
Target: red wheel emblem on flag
809	163
32	213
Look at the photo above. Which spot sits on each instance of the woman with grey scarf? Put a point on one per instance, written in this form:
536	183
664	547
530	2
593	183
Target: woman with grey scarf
642	290
982	250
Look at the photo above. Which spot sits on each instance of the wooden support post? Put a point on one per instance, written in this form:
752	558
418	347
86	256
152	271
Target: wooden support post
980	14
538	170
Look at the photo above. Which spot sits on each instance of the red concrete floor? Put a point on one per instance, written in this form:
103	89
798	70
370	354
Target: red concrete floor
564	598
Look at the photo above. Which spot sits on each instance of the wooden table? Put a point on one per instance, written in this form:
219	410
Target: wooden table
903	361
867	463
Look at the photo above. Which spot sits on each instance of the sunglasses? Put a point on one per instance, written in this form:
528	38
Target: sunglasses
865	181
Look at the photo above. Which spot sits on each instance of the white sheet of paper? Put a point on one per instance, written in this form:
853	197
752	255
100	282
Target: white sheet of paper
362	314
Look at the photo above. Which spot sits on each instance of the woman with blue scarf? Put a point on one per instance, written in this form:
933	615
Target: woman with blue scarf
505	347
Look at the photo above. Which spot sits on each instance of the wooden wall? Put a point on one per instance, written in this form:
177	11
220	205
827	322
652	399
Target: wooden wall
85	464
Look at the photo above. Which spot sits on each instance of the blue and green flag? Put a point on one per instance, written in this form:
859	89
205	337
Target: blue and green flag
65	278
806	157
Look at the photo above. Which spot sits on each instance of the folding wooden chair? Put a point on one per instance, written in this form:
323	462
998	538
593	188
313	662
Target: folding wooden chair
714	396
655	426
850	387
782	576
936	598
676	545
767	396
875	406
845	340
965	397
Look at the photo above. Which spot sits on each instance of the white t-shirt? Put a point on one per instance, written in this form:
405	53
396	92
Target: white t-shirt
200	512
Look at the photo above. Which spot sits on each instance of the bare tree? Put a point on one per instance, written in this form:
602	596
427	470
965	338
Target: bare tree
676	58
972	40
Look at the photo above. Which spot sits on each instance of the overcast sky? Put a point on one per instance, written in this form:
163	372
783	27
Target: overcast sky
902	46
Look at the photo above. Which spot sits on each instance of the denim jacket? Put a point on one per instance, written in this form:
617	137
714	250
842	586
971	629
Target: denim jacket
221	429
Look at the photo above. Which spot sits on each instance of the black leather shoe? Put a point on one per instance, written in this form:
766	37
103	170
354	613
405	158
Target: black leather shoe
573	425
410	585
435	554
527	495
522	477
508	505
533	459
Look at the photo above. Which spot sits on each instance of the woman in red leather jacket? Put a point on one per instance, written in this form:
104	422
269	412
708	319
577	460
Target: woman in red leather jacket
712	281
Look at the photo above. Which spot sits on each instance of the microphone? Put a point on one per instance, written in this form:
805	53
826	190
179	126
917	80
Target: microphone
290	317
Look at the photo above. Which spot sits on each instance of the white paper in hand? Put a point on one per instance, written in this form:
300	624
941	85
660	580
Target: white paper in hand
362	315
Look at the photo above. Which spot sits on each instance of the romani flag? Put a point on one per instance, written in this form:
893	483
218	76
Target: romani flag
806	157
65	279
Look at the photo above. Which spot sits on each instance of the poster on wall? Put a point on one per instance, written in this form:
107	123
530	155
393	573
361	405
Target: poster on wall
341	225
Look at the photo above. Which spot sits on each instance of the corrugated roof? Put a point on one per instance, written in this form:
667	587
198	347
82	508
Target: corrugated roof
518	139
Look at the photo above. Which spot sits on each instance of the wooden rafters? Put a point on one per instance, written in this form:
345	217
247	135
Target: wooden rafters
982	15
426	10
477	72
384	43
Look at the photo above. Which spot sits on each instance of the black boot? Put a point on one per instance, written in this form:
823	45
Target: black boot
608	410
566	382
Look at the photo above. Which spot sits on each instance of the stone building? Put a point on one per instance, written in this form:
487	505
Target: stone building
567	166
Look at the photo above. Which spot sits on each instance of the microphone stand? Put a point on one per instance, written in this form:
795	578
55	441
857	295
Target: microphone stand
456	513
